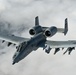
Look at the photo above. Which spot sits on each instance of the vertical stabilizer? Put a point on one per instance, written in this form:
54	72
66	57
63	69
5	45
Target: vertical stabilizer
36	20
66	26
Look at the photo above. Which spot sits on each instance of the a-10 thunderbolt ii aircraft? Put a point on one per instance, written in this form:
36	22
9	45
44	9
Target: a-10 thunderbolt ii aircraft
26	45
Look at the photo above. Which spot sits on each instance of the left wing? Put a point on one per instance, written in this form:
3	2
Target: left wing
12	38
61	44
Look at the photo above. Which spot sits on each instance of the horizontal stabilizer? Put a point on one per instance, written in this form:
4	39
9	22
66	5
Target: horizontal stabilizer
65	29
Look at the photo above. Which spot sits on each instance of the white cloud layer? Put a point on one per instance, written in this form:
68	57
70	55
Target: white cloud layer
16	16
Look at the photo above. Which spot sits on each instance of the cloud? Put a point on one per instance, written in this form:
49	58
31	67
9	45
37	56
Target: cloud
17	16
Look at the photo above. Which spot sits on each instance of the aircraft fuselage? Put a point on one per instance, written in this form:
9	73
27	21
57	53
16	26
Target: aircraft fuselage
27	47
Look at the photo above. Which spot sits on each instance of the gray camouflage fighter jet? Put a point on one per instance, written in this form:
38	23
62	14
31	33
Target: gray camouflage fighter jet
26	45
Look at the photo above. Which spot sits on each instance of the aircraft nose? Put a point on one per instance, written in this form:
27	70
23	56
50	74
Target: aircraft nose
15	58
13	63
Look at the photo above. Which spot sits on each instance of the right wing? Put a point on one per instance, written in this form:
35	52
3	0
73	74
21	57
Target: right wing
12	38
61	44
70	45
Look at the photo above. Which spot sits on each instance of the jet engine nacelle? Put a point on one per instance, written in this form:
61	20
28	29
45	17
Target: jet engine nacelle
50	31
35	30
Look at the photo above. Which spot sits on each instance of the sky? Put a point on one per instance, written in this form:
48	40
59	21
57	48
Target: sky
17	17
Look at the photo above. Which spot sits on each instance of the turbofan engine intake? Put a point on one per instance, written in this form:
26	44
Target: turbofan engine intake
35	30
50	31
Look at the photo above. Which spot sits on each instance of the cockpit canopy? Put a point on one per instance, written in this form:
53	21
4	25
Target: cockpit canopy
19	49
